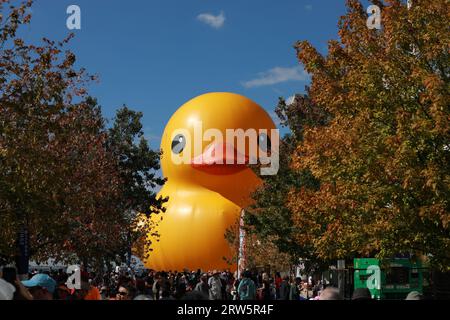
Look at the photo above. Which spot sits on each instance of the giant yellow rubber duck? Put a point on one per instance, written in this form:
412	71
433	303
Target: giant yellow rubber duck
206	196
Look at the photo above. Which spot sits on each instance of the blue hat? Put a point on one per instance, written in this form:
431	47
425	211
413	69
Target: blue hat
41	280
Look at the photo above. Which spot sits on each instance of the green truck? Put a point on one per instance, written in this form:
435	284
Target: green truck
391	278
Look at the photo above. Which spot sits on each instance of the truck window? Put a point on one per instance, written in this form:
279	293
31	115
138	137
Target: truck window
397	275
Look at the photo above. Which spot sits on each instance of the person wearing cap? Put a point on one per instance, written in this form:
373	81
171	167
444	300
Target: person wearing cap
41	286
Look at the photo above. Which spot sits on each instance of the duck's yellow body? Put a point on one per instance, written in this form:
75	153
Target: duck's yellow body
192	230
204	199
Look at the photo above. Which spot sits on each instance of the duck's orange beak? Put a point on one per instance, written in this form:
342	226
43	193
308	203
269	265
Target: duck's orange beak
220	158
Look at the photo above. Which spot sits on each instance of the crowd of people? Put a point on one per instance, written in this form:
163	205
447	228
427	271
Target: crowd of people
152	285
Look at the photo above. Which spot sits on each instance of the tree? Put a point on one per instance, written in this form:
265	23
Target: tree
258	253
64	177
138	166
137	162
269	220
383	160
57	179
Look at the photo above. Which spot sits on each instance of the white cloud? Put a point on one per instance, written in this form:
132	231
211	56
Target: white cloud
216	22
309	7
277	75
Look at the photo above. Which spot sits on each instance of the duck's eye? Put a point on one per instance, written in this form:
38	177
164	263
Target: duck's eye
264	143
178	144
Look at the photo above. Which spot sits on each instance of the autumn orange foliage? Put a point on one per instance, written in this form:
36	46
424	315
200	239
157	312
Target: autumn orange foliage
384	159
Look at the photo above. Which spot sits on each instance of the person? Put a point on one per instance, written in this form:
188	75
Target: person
93	294
140	287
294	292
41	286
104	292
330	293
284	289
149	280
180	290
224	280
6	290
156	286
164	293
63	292
234	288
195	295
112	294
317	288
414	295
21	293
246	289
278	281
143	297
125	292
361	294
166	285
257	279
202	286
215	286
304	290
229	287
266	288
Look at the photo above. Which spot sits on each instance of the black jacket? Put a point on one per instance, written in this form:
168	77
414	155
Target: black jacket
284	290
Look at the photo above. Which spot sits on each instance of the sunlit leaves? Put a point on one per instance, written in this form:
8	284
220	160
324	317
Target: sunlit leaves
382	160
61	172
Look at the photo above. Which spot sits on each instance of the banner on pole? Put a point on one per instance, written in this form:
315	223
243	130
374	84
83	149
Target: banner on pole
241	257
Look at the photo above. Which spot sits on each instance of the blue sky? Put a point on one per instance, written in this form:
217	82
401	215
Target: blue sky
154	55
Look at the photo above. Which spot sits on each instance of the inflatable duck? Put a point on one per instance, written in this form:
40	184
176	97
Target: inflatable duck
206	194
